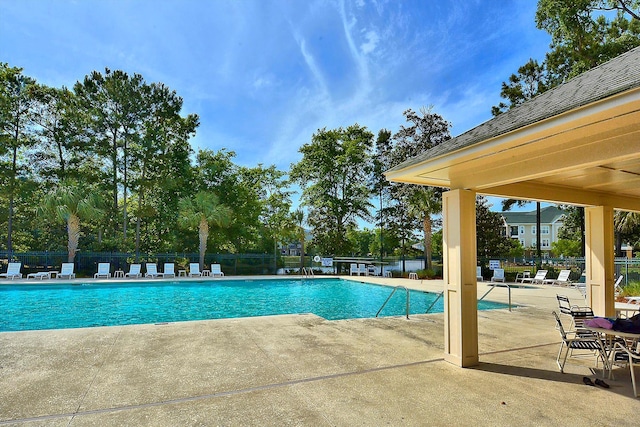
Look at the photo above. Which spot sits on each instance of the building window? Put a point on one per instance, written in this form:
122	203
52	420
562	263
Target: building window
533	230
513	230
521	229
522	242
545	243
544	229
533	243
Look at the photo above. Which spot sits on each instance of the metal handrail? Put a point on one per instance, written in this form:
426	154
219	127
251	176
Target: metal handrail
390	295
307	272
499	285
434	302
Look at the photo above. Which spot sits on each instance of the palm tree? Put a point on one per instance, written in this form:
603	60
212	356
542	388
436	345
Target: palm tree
625	223
70	202
204	208
423	202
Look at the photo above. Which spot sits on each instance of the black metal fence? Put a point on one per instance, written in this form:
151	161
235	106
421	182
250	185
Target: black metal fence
86	262
628	267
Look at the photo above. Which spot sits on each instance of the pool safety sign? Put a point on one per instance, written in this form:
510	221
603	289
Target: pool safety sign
327	262
493	264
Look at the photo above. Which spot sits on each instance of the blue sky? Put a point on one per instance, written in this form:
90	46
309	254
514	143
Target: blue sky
264	75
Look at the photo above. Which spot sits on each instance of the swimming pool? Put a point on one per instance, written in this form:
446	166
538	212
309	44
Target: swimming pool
60	306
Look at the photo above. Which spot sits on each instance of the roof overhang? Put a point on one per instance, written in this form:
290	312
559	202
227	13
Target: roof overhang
587	156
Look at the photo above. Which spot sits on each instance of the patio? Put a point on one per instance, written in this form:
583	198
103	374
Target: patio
304	370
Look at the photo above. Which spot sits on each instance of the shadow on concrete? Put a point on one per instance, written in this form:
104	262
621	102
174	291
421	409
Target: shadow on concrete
621	384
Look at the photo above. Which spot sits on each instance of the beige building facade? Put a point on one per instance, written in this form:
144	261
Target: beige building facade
523	227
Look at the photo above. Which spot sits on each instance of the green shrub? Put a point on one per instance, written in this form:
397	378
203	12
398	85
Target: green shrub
632	289
426	273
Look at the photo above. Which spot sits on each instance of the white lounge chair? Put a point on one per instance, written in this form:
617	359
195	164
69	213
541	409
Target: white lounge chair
498	275
616	286
526	274
39	275
152	270
215	270
479	274
194	269
362	269
66	271
563	279
103	270
169	270
134	271
538	278
13	271
353	269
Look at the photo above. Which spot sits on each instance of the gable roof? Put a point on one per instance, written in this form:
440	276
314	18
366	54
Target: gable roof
578	144
548	215
615	76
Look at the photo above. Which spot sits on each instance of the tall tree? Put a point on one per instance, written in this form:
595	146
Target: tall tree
584	34
162	145
61	150
379	184
490	239
236	187
16	114
425	131
275	217
334	174
115	109
573	227
71	202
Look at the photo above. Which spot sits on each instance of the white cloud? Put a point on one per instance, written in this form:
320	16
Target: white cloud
264	76
371	43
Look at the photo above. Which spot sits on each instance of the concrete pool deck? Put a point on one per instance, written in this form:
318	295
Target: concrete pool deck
304	370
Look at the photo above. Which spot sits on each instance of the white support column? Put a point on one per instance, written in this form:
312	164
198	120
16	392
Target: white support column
460	283
599	259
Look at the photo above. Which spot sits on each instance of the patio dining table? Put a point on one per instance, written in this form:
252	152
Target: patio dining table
608	338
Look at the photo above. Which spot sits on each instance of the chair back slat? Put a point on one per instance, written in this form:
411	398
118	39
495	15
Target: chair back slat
560	327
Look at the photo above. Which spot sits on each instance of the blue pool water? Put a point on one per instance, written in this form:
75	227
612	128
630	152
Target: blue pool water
58	306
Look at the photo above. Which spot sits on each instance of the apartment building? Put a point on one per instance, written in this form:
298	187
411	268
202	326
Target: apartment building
522	226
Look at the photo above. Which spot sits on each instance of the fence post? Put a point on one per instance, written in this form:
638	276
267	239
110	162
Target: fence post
626	271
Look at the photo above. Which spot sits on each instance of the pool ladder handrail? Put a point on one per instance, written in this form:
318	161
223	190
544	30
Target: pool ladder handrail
391	294
434	302
307	272
494	285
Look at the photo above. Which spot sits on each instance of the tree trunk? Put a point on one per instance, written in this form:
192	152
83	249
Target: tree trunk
114	160
125	183
426	227
140	205
12	190
203	232
301	251
73	231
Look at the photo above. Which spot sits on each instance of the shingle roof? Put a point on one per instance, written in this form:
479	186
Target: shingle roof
548	215
615	76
